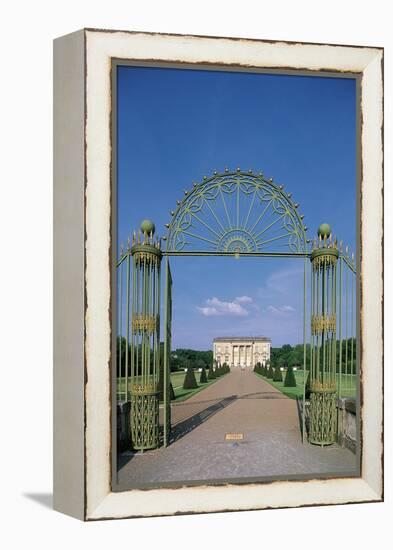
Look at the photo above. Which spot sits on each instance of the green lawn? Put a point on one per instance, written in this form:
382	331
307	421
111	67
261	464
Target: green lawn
348	387
293	393
177	379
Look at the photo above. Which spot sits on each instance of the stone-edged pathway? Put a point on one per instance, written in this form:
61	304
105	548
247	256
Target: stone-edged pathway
240	402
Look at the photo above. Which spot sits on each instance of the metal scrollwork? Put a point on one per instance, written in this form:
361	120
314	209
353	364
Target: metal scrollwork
236	212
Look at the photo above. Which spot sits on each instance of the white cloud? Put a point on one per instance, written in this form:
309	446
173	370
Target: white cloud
243	300
280	310
215	307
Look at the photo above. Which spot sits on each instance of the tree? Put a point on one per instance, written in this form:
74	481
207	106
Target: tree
277	375
294	359
190	382
203	377
290	380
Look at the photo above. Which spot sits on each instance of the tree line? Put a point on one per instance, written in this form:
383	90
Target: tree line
284	356
292	356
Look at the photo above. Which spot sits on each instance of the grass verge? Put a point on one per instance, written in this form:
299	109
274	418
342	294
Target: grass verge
347	390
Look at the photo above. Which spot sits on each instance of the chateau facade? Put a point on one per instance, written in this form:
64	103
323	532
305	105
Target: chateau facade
239	351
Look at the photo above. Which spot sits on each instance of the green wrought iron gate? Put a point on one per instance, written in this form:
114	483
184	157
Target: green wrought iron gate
167	353
236	214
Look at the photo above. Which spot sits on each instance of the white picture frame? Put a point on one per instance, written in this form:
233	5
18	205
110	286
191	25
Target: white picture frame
83	207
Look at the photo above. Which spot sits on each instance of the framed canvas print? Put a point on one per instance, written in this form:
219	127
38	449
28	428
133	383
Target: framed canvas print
218	274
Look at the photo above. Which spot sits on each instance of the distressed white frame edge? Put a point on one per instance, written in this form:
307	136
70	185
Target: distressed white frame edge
101	46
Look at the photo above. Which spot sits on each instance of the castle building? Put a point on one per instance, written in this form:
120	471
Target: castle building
239	351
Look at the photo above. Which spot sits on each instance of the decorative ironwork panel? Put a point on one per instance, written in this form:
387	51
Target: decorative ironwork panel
145	338
323	396
144	421
236	212
323	417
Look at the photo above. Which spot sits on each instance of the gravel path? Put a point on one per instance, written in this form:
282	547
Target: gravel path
240	403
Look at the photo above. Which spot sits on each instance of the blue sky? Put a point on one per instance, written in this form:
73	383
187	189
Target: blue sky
175	126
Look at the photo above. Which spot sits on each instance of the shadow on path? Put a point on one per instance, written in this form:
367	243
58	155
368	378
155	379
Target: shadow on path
256	395
183	427
186	426
263	395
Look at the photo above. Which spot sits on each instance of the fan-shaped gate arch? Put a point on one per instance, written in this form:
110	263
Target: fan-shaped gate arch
239	212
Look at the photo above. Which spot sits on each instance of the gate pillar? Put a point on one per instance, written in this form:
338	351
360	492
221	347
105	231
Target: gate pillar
145	338
323	396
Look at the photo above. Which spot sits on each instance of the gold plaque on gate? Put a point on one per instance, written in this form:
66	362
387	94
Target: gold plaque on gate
232	437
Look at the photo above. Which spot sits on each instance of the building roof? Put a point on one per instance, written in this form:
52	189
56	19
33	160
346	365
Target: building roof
242	339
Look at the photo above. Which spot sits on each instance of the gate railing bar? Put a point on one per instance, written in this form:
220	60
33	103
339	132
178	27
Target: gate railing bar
239	254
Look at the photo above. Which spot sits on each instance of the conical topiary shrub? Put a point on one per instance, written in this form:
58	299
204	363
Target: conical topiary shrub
190	382
211	375
203	377
171	392
290	380
277	375
270	372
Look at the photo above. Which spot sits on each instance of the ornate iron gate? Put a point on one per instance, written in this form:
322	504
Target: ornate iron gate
236	214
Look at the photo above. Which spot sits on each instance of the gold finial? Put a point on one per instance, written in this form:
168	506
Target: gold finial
238	169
